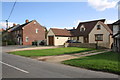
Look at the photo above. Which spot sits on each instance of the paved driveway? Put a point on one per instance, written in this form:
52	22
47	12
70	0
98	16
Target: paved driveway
14	66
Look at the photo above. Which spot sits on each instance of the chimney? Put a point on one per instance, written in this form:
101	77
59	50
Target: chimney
8	26
26	21
14	24
73	27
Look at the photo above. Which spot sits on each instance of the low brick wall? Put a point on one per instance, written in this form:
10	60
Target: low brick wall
82	45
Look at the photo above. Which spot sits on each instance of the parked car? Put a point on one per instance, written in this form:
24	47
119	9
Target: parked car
72	41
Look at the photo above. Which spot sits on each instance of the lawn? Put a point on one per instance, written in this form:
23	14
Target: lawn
107	62
50	52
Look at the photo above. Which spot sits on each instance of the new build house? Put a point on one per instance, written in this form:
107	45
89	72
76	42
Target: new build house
26	33
87	32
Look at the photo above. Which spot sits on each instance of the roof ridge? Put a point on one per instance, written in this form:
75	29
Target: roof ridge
92	21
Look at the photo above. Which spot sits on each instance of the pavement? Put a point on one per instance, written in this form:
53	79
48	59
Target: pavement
14	66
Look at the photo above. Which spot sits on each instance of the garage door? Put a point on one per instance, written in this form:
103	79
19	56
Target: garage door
51	40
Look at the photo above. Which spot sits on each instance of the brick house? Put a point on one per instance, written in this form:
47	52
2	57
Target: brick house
26	33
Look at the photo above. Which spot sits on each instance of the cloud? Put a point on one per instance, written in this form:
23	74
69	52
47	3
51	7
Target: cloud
110	21
76	22
3	24
102	5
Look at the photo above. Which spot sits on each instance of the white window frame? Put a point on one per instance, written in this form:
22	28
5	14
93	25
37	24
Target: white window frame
36	31
26	39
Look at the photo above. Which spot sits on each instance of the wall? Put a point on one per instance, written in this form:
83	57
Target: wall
30	31
82	45
75	38
60	40
115	29
81	39
50	33
106	36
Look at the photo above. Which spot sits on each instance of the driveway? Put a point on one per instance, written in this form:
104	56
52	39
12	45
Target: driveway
14	66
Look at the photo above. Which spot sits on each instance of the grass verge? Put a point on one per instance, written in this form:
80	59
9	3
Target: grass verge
50	52
108	62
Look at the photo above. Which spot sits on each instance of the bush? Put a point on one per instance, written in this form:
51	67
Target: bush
34	43
11	43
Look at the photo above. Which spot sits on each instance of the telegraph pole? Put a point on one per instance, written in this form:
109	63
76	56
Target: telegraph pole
6	24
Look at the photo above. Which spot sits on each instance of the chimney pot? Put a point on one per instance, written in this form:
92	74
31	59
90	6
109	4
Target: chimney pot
26	20
73	27
14	24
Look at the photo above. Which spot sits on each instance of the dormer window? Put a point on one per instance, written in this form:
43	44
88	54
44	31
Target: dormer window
82	29
98	27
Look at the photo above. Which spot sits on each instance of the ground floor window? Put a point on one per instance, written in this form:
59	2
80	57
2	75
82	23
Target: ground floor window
98	37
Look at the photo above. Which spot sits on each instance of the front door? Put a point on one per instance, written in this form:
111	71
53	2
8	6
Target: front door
51	40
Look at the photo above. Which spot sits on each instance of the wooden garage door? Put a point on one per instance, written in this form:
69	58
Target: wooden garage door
51	40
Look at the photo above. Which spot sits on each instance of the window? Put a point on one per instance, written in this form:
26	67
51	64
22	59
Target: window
36	30
82	29
34	22
27	39
98	37
98	27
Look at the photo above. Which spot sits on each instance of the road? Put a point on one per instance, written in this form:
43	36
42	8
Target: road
14	66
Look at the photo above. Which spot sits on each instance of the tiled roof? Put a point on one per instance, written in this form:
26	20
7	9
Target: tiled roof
88	27
1	30
107	27
61	32
110	26
17	27
117	22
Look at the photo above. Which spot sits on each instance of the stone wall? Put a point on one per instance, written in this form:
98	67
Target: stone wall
87	45
82	45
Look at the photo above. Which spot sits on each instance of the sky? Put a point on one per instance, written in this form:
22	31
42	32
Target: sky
60	14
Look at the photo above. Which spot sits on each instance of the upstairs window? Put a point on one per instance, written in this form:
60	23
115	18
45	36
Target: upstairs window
98	27
98	37
27	39
36	30
82	29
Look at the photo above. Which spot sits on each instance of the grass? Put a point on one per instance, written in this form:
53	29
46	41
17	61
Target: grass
50	52
107	62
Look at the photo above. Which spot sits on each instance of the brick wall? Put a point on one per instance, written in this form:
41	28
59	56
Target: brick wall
30	32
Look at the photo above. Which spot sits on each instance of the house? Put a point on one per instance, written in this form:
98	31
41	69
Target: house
94	32
116	36
87	32
27	33
57	36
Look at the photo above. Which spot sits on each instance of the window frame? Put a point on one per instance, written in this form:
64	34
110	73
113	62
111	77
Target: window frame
98	36
26	39
98	27
36	31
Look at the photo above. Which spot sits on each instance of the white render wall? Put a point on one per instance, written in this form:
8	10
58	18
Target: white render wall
106	38
115	29
81	39
60	40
